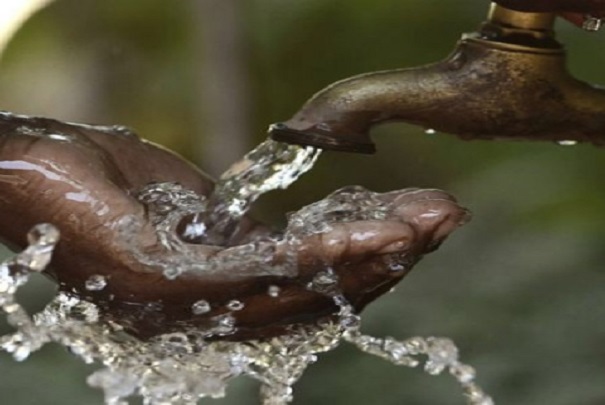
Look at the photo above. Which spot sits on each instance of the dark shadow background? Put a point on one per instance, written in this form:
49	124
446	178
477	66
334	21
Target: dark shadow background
521	289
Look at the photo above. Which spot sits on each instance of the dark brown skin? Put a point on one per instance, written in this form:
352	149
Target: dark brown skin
85	186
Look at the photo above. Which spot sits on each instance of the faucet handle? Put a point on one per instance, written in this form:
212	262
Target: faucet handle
526	28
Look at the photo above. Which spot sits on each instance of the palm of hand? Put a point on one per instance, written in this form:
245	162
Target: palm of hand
85	181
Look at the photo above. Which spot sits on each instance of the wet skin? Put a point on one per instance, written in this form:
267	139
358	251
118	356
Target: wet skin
83	179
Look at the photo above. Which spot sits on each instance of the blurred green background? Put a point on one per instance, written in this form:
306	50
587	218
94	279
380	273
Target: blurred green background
521	288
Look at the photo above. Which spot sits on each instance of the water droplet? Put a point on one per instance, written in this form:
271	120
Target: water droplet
200	307
61	137
30	131
324	126
567	142
225	325
235	305
463	372
96	283
123	130
592	23
277	126
11	308
416	345
395	348
325	278
325	282
273	291
154	306
42	239
193	230
21	353
442	353
476	396
397	267
341	301
6	283
172	272
43	235
350	321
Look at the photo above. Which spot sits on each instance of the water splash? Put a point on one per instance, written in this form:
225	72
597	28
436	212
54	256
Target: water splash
201	307
180	368
271	165
96	283
274	291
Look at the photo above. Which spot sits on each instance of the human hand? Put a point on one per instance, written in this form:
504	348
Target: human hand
94	184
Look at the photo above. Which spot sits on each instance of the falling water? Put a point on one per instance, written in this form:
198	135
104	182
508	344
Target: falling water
271	165
180	368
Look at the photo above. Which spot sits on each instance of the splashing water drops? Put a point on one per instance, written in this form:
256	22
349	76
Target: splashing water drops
274	291
96	283
14	274
42	239
225	325
271	165
235	305
183	367
200	307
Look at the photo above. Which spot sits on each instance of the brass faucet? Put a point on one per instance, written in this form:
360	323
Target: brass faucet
507	80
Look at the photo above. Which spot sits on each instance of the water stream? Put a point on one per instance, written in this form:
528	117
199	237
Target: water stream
271	165
180	368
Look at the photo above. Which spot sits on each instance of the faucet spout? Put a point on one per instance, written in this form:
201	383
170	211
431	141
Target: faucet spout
509	80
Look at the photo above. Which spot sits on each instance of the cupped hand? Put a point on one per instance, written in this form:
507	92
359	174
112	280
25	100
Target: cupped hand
88	181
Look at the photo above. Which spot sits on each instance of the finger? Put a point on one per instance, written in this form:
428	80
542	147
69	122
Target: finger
54	175
434	214
417	221
403	197
355	241
141	162
433	219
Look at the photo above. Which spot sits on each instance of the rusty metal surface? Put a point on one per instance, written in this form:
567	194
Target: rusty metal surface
501	82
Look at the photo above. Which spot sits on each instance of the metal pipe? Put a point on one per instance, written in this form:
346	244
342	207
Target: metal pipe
508	80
